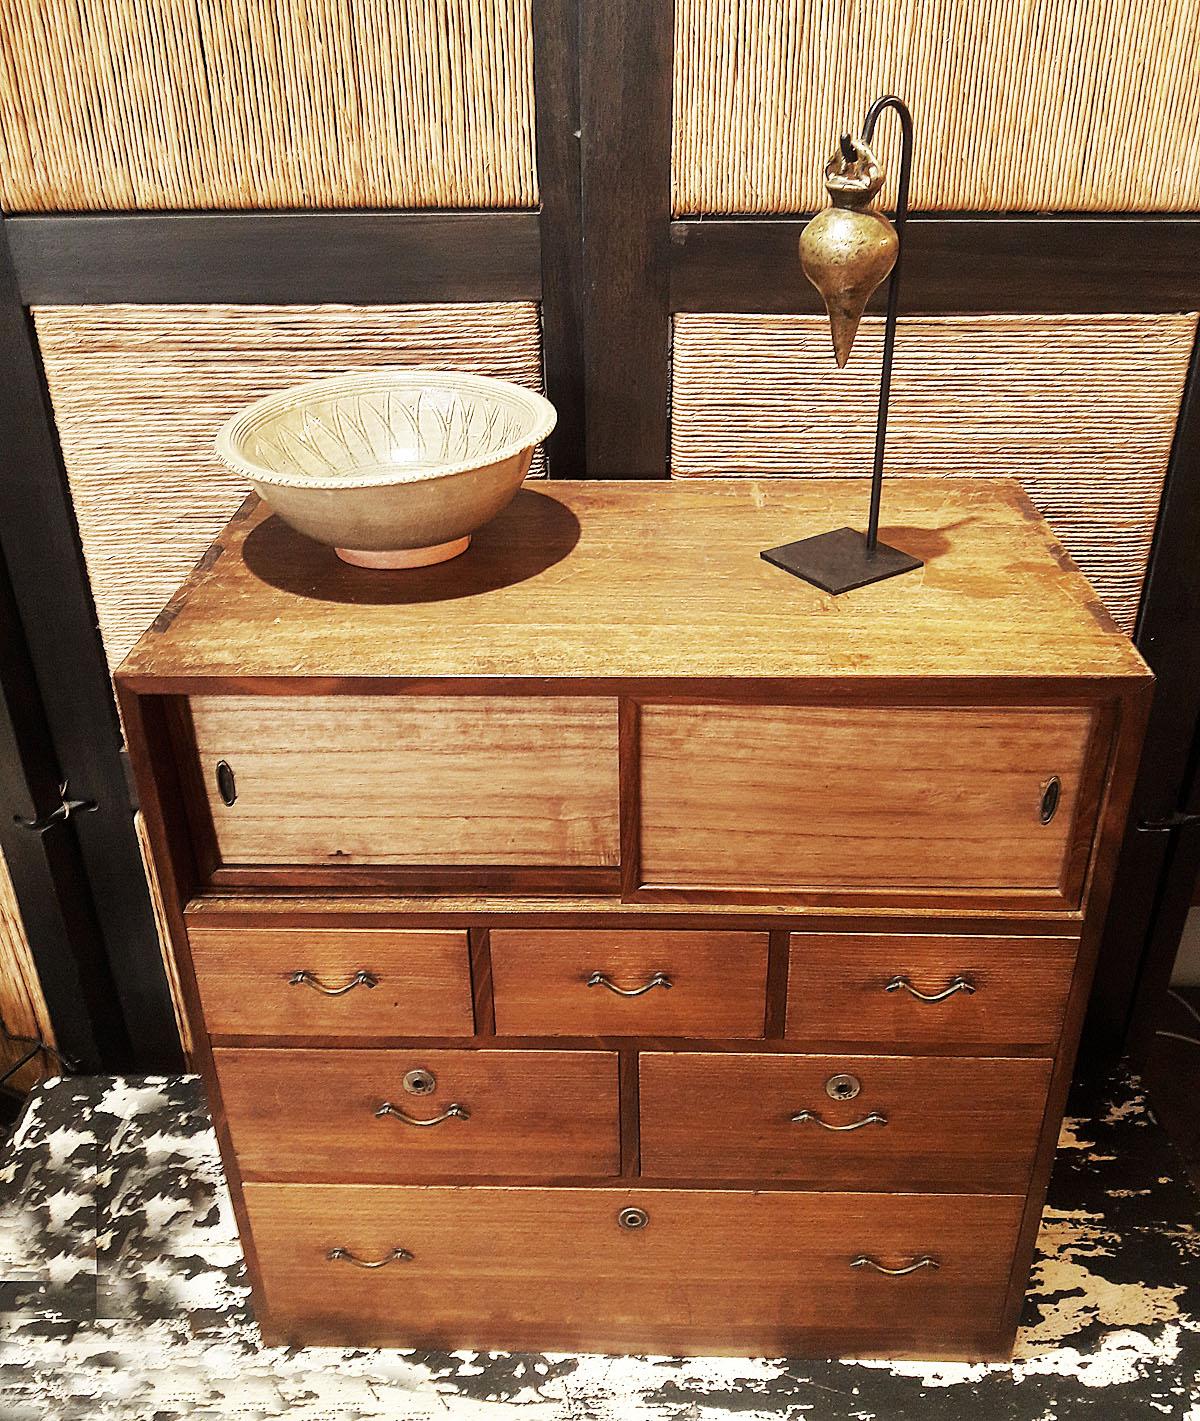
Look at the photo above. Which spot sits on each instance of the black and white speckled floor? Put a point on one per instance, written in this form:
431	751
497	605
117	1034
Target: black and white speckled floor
122	1296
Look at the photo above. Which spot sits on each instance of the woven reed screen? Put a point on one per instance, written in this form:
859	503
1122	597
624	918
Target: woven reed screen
140	391
1081	409
22	1006
266	103
1023	104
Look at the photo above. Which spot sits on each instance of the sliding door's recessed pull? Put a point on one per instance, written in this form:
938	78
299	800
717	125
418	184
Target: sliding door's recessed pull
959	984
863	1261
601	979
803	1116
343	1255
226	784
310	979
452	1112
1051	794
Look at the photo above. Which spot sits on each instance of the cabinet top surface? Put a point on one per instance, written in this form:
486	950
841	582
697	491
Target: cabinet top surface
609	581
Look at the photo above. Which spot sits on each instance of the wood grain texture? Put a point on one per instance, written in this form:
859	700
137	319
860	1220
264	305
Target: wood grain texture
952	1123
724	1271
23	1010
163	923
306	103
796	797
717	982
140	391
838	986
412	780
650	584
310	1114
423	983
1081	409
763	88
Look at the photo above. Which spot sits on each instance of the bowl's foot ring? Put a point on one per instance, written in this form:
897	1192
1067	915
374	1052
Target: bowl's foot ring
405	557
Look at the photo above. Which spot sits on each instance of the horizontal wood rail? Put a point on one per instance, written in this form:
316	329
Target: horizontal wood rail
955	263
362	258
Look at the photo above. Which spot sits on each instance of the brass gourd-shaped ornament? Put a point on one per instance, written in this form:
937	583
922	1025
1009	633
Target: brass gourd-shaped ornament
849	249
846	251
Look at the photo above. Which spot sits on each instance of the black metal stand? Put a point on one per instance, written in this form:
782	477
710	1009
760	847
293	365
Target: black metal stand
845	558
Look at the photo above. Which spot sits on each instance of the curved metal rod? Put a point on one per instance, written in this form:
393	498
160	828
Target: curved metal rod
864	1261
960	984
305	978
343	1255
873	1119
889	101
599	979
452	1112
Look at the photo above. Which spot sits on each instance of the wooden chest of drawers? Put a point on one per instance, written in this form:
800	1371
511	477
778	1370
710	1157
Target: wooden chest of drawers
606	941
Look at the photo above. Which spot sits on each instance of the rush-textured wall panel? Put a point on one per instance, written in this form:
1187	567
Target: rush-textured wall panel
140	391
266	103
1021	104
1082	409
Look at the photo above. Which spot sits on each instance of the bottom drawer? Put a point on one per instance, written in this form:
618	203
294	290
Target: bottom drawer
708	1271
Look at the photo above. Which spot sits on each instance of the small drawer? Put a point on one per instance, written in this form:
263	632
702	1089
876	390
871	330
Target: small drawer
921	990
332	981
843	1122
617	983
770	1273
409	780
390	1115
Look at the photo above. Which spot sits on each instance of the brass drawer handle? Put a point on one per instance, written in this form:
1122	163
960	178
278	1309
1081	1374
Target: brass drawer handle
960	984
1051	795
660	979
343	1255
863	1261
873	1119
451	1112
310	979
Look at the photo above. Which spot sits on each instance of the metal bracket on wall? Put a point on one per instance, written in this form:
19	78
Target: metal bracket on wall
1178	820
58	815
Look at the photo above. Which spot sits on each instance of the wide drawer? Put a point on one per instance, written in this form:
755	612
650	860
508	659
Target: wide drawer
614	982
332	981
320	1115
736	1272
410	780
870	798
843	1122
923	990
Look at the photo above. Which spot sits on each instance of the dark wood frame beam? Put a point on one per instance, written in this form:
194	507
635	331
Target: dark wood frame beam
1002	264
556	99
626	52
269	258
53	601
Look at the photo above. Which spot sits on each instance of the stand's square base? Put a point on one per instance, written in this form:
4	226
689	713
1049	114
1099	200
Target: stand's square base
840	561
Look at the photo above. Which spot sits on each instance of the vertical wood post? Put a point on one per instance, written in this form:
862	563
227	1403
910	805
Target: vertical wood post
626	55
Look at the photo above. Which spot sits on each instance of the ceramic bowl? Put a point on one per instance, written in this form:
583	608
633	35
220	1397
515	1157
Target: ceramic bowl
392	468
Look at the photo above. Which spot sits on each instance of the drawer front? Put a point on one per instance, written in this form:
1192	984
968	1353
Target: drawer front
320	1114
914	1123
937	991
861	798
332	981
614	983
774	1273
411	780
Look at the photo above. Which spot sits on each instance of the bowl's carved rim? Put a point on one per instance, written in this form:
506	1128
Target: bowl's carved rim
227	446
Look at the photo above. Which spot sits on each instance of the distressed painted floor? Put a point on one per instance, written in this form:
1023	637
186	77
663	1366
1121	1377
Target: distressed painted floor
122	1296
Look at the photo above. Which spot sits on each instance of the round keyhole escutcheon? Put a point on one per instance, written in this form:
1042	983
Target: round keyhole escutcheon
842	1087
420	1082
633	1218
